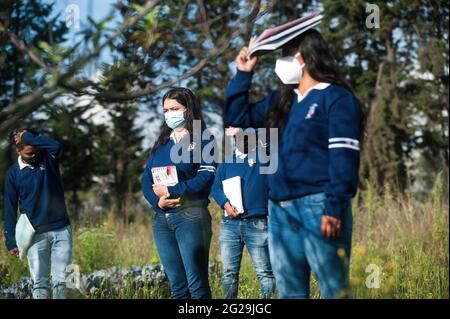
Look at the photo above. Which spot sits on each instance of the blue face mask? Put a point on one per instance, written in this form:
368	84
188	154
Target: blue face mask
174	119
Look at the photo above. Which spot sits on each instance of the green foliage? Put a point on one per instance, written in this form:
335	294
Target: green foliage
95	249
30	21
407	240
400	72
12	269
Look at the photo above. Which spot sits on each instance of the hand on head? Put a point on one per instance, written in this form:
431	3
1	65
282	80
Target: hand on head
18	136
244	64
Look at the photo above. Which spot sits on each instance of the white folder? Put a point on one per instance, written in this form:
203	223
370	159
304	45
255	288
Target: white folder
24	235
233	191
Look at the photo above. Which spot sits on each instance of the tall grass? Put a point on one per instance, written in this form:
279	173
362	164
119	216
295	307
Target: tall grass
398	240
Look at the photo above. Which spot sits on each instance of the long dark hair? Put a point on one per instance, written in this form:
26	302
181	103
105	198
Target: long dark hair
320	65
193	112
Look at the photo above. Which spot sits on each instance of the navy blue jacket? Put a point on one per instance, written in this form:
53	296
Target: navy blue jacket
253	184
37	192
318	150
195	174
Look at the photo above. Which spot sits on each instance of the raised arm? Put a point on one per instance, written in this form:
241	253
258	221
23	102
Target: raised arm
239	112
53	147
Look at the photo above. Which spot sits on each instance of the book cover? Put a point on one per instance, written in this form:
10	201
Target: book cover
165	175
274	38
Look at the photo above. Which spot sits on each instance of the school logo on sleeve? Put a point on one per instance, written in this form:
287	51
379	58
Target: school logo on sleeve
311	111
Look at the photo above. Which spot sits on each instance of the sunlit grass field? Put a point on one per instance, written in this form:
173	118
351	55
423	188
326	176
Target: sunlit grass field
403	242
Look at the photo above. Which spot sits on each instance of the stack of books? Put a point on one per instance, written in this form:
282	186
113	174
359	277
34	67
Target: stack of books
274	38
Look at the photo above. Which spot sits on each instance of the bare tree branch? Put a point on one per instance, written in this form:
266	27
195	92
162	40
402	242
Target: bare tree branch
29	103
204	21
64	81
27	50
255	14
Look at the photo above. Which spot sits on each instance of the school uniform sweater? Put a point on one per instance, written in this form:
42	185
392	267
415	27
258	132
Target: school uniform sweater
36	191
253	184
195	172
318	150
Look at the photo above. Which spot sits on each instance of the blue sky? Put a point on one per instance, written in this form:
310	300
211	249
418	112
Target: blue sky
96	9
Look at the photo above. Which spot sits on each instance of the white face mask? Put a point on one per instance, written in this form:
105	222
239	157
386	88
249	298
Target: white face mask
289	70
174	119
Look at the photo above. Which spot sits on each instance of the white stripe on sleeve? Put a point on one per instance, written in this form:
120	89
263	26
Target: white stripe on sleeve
337	145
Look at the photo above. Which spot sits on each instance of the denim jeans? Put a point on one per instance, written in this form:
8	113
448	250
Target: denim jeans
53	247
182	240
252	233
297	247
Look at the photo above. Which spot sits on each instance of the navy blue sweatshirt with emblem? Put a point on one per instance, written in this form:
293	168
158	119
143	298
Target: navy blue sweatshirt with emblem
36	191
318	150
253	184
195	167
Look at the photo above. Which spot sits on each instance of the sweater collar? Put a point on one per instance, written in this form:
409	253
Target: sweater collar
22	164
182	133
318	86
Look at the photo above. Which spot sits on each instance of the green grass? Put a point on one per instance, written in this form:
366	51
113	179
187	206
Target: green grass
406	240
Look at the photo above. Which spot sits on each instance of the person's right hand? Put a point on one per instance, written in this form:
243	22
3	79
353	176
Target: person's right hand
164	202
18	137
231	211
14	252
243	64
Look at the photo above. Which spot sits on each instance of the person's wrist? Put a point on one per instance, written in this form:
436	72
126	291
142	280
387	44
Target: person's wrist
245	70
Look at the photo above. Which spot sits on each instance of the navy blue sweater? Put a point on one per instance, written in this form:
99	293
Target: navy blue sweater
318	150
195	174
37	192
253	185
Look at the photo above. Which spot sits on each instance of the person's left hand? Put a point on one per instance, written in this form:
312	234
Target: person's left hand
160	190
331	227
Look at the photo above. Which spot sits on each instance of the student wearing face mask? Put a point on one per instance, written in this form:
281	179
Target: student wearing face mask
319	123
34	186
181	220
249	228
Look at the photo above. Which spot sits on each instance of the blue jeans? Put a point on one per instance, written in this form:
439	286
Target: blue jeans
53	247
297	247
182	240
252	233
